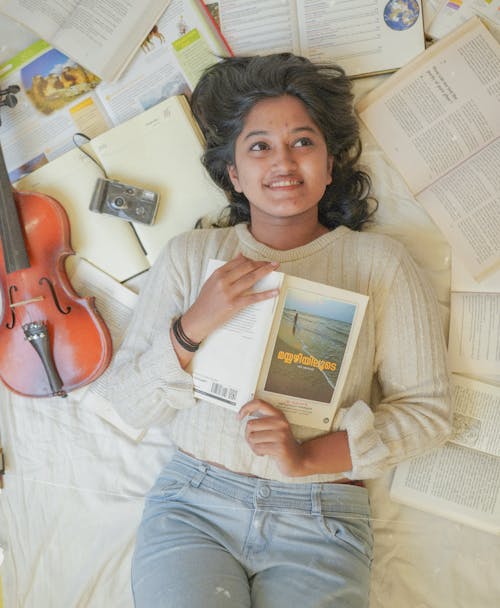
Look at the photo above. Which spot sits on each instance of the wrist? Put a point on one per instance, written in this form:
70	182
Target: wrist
326	454
183	338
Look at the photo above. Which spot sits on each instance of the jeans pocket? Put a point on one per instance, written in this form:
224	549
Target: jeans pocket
352	531
168	487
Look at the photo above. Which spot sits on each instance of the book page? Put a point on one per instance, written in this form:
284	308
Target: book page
115	303
441	108
465	203
474	335
160	150
102	35
430	8
452	482
476	415
169	62
199	43
310	346
227	364
367	36
462	280
452	13
259	27
56	100
43	16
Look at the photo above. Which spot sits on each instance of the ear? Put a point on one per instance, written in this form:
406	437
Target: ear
233	176
329	168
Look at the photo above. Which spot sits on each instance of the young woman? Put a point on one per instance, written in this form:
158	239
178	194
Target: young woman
253	511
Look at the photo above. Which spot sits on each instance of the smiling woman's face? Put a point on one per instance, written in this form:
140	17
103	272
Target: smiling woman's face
281	161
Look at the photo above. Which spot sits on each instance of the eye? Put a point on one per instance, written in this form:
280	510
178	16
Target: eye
303	141
259	146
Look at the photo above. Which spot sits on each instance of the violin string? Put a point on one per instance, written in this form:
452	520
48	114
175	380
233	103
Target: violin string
79	146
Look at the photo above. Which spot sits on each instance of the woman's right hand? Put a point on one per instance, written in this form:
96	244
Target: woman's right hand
227	291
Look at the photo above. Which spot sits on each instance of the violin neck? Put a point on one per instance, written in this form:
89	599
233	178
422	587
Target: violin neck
11	236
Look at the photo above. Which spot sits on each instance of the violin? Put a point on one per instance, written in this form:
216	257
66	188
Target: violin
51	340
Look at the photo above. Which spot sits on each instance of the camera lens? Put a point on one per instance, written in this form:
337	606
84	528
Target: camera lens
119	202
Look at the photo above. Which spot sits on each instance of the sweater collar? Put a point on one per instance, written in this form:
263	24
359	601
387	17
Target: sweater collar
254	249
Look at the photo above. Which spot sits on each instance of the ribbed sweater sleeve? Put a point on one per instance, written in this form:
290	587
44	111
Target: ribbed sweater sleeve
410	365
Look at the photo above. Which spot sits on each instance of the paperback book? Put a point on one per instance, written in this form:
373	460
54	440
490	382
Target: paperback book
292	351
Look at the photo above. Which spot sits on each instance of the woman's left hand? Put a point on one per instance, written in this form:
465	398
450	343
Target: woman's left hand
269	434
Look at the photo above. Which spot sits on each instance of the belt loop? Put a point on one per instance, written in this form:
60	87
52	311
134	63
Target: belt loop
199	476
315	499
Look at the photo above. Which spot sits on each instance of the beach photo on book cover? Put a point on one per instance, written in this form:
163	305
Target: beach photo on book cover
310	345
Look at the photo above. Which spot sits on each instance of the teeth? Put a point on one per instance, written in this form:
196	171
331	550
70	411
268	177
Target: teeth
285	182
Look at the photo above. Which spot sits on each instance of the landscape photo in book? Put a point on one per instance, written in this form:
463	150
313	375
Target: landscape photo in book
310	345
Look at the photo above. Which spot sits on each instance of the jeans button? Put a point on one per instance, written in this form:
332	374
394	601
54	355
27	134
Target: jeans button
264	492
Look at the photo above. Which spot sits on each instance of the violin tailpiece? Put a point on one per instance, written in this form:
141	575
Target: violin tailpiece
37	334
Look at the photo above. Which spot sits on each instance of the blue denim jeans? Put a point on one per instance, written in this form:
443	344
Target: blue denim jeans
210	538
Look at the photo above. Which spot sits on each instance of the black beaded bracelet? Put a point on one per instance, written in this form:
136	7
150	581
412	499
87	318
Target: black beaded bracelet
180	336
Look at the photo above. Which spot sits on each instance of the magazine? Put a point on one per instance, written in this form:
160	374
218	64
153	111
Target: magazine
59	97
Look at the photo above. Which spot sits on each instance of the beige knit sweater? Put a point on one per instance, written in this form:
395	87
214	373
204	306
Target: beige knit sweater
396	403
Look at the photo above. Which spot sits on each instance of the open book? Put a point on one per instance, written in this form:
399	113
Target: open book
450	15
102	35
158	150
365	37
292	351
460	481
474	336
437	119
58	97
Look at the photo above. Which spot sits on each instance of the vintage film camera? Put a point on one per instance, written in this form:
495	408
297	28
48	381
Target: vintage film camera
124	201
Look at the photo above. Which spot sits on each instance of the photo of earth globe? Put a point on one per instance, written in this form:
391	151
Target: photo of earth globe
401	14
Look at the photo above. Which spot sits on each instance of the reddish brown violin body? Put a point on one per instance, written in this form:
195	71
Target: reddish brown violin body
51	339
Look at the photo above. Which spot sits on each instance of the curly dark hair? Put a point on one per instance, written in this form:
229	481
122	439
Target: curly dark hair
229	89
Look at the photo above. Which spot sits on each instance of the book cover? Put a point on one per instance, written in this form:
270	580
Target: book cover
292	351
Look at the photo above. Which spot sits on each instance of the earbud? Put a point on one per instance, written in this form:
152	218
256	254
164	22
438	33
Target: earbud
9	95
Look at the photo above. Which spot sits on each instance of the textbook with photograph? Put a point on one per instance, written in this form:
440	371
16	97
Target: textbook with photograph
368	37
292	351
59	97
102	35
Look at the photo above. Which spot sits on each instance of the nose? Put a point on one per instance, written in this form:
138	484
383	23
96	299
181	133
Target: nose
283	159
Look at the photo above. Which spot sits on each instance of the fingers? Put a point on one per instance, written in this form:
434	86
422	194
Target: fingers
269	425
242	273
259	408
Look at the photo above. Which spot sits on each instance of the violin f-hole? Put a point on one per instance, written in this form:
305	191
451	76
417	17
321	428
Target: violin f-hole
12	323
54	295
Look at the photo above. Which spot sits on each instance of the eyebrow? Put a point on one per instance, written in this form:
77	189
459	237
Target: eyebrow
305	129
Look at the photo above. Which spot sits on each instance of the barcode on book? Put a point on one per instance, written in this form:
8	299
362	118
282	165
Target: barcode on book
224	393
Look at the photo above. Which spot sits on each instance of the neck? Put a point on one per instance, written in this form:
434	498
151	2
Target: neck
281	234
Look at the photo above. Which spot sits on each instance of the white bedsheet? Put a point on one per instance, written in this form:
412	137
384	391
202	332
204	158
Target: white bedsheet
74	486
